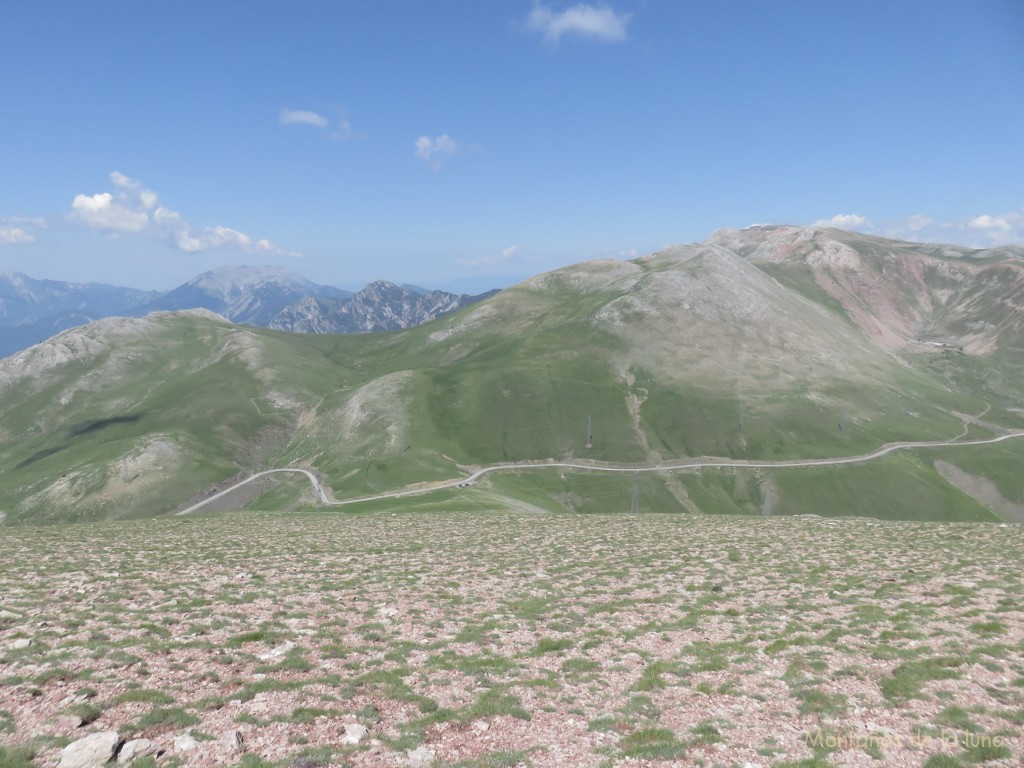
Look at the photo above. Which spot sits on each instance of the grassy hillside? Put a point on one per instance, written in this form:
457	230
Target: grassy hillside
697	351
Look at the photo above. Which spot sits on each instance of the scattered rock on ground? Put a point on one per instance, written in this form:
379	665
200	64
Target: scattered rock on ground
185	743
92	751
69	721
354	733
233	741
420	757
136	748
278	652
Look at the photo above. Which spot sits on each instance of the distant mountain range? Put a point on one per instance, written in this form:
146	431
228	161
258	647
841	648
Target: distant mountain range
34	310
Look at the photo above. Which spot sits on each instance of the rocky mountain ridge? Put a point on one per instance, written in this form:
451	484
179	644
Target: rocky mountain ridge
33	310
903	296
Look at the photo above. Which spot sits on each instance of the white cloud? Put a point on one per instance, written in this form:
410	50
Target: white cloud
302	117
598	22
343	131
986	223
982	231
134	209
16	236
844	221
17	230
434	152
490	259
104	211
917	222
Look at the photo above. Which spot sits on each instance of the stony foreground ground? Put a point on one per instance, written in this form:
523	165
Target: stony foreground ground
514	639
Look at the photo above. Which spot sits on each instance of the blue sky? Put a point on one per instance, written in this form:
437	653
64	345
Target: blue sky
436	141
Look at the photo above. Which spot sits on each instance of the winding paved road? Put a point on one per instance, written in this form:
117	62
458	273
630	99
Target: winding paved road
596	467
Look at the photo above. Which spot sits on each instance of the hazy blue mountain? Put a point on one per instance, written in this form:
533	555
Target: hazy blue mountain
33	310
250	295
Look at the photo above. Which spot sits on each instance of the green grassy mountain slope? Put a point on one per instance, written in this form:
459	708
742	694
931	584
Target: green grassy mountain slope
702	350
129	417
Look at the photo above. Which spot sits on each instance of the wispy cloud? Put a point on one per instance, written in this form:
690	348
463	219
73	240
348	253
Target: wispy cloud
16	236
341	131
981	231
344	130
599	22
435	151
490	259
133	209
18	230
302	117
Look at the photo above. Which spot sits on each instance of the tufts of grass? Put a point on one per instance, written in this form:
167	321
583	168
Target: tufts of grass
819	703
652	744
17	757
653	679
173	716
985	628
496	702
518	759
144	695
552	645
255	636
908	679
87	711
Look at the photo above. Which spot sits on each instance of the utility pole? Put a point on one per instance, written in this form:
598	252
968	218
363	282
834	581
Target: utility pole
634	504
590	431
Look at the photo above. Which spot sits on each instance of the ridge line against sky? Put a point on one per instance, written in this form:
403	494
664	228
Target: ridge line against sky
443	141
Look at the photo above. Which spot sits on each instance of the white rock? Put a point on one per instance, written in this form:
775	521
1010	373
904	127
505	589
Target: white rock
354	733
420	757
259	707
387	612
480	726
233	741
21	643
278	652
185	743
876	728
136	748
751	765
93	751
